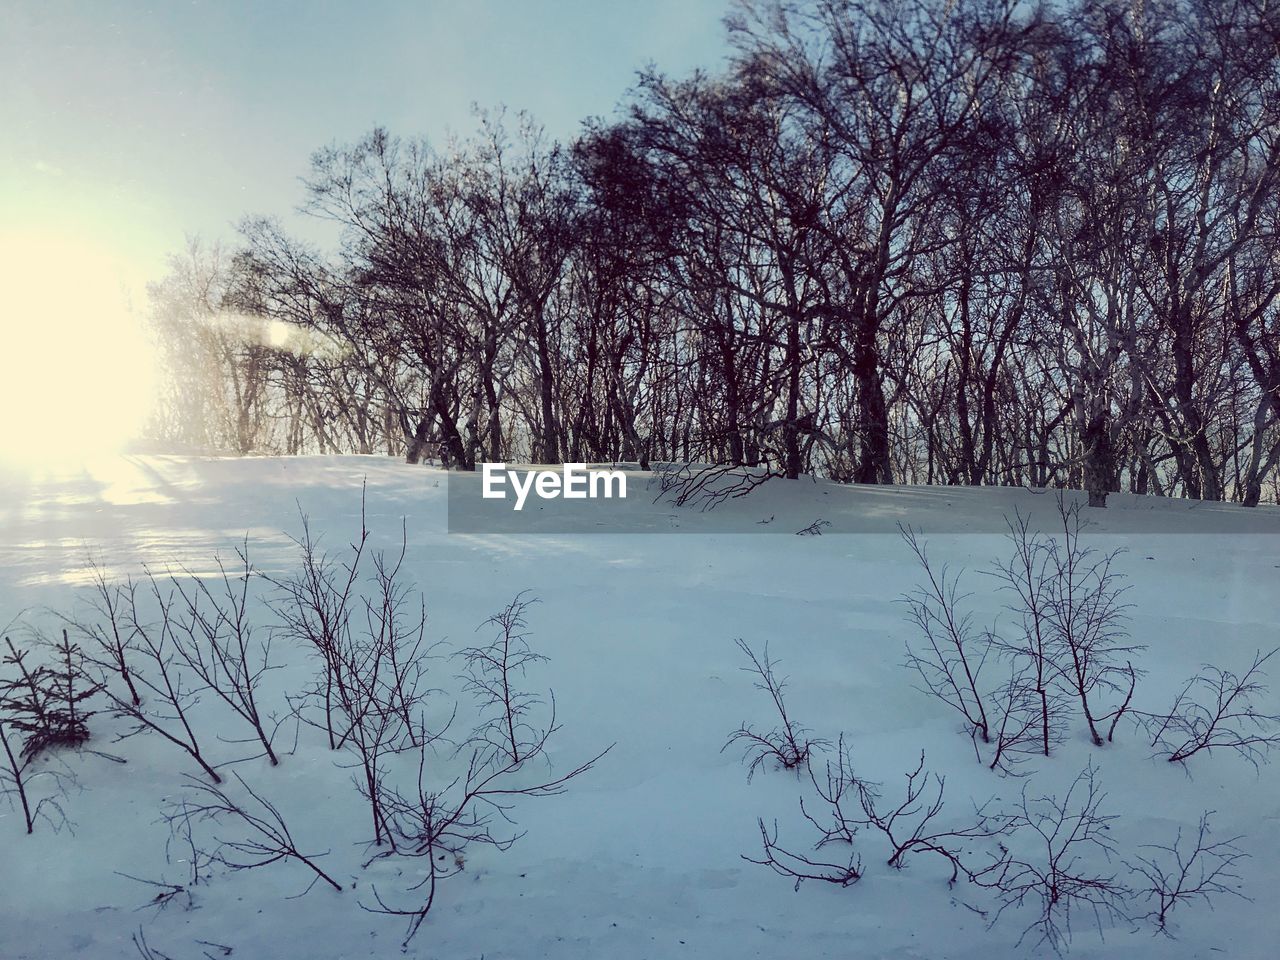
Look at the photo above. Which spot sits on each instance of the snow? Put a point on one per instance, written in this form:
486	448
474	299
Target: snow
641	857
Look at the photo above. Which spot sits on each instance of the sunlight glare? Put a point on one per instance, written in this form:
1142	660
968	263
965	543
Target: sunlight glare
77	372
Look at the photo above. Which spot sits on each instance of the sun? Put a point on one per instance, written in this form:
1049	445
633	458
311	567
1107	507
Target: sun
77	371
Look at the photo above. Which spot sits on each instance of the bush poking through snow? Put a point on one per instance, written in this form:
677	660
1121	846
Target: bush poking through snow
1030	649
264	836
216	639
439	815
1217	710
1069	645
910	826
1087	625
1059	874
155	667
368	627
1183	871
789	744
846	805
1049	853
837	792
953	653
41	707
491	675
437	820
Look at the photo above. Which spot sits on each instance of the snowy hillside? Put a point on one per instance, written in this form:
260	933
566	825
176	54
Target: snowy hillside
641	856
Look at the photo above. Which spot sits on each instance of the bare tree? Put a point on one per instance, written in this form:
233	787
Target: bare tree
317	607
1087	618
1027	575
1020	712
369	629
827	257
1009	718
1069	646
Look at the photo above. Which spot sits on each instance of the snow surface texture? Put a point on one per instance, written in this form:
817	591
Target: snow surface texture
641	857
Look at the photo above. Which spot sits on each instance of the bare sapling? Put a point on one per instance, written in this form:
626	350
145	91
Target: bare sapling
165	709
369	627
438	815
112	642
317	606
1061	863
396	620
1218	710
832	817
1087	620
493	675
22	774
1026	575
265	838
15	779
216	639
788	744
951	653
436	820
1194	868
1021	708
912	825
1069	645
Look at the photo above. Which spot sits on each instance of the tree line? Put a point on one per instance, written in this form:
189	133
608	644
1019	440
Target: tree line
932	241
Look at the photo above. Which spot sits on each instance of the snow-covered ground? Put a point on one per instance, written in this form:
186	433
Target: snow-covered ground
641	857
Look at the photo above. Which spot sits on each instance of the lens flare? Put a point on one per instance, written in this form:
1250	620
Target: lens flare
77	371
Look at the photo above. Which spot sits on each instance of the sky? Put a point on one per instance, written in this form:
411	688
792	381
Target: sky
127	126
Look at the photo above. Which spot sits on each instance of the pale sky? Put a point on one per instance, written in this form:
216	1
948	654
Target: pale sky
128	125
